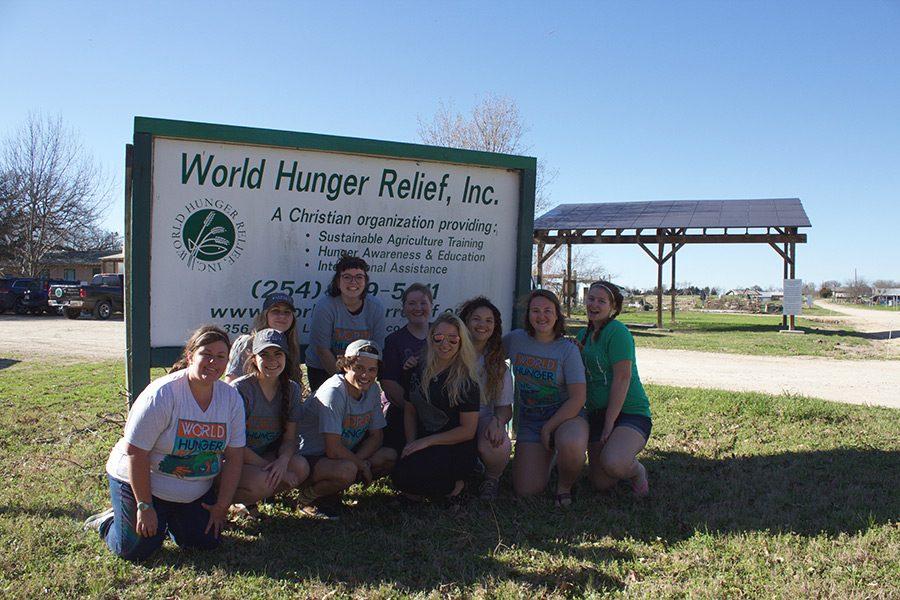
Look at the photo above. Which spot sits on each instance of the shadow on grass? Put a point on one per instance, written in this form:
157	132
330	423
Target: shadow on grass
845	490
425	549
6	363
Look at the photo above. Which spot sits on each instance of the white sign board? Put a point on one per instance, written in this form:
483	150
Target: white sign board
232	223
792	304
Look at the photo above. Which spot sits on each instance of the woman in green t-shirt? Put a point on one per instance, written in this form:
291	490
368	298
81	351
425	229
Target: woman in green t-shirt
618	408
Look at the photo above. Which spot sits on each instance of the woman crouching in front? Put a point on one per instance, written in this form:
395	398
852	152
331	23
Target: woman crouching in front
441	415
162	469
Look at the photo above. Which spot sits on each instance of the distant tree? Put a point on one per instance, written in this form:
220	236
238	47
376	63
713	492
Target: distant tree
53	194
809	288
883	284
857	288
494	125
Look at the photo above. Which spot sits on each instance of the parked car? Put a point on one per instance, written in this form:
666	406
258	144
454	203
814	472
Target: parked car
36	299
12	292
102	297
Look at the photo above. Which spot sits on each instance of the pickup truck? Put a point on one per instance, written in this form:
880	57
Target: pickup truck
102	297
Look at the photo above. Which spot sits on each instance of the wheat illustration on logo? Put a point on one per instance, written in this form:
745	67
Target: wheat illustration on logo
210	239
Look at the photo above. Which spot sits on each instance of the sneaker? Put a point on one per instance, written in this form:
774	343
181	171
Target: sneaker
98	521
489	489
322	513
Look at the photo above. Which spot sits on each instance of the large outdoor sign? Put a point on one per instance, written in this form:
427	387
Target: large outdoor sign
219	217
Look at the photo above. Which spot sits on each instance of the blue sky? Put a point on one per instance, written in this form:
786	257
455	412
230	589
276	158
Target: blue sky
627	101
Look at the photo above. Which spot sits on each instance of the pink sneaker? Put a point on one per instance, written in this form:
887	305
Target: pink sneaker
640	485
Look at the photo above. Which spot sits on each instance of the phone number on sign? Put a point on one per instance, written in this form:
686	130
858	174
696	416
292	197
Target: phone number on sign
313	289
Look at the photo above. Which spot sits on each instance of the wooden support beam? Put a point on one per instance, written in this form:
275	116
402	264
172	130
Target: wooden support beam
672	253
649	252
659	283
552	251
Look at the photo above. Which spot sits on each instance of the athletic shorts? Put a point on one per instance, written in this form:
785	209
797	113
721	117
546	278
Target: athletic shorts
532	420
640	423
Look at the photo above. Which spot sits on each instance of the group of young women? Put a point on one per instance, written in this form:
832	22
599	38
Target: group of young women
196	447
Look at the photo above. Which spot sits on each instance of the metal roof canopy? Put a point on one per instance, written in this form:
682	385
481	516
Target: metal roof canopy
673	222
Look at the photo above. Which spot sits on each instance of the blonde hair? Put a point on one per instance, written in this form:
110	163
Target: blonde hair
462	372
260	322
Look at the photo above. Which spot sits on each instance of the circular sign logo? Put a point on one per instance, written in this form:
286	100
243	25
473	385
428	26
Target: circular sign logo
208	235
58	292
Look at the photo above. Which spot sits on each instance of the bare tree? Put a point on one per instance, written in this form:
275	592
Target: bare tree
55	191
857	288
494	125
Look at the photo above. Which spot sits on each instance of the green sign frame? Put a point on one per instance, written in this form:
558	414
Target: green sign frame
140	357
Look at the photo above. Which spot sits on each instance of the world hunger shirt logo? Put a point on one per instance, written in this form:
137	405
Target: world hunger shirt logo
535	380
196	449
208	234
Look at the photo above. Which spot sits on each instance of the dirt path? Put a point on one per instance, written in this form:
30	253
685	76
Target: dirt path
885	324
852	381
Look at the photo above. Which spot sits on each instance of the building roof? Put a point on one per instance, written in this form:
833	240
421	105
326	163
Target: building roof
775	212
887	292
73	257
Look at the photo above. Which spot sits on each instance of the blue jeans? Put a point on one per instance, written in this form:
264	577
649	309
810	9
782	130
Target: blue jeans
183	521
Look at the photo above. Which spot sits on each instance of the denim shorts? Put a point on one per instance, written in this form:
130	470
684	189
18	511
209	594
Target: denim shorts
640	423
532	420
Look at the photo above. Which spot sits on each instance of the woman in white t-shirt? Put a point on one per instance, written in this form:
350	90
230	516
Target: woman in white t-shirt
484	323
161	471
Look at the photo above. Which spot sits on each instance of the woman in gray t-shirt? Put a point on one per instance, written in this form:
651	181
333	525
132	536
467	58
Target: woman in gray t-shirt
345	314
549	398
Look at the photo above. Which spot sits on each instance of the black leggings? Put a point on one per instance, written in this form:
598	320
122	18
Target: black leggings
435	470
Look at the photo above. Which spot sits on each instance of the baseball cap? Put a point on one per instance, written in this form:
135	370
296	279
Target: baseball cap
269	338
356	349
277	298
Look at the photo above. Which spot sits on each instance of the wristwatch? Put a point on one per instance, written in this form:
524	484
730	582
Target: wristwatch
144	506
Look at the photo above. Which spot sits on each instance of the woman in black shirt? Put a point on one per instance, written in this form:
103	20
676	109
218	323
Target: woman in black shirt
441	415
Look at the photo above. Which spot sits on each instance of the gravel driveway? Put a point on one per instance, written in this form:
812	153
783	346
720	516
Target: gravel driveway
29	338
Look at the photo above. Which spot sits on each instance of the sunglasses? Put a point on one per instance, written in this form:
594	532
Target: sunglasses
440	337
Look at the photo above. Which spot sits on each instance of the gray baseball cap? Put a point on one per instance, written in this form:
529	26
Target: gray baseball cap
269	338
356	349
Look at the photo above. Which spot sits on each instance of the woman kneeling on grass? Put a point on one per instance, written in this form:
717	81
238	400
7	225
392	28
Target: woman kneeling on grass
441	415
162	469
485	324
549	383
618	407
341	431
272	405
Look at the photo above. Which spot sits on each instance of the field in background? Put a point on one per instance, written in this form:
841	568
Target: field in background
746	334
753	495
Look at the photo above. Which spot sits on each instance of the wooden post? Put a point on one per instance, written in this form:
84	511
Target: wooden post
673	283
793	274
540	264
568	278
784	319
659	280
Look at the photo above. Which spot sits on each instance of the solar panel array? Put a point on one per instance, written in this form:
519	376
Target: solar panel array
661	214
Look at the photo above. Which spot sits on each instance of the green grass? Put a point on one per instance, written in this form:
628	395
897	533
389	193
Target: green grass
745	334
753	495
